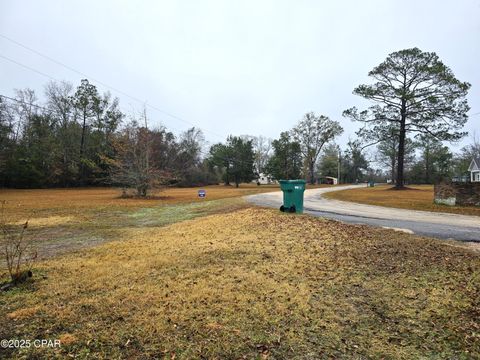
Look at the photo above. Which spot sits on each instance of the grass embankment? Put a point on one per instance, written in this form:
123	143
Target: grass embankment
417	197
245	283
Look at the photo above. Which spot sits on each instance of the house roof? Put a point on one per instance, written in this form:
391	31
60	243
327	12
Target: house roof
475	164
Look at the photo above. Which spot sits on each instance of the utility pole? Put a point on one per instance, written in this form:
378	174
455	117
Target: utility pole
147	152
338	168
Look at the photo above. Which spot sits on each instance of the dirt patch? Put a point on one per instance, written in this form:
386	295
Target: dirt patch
56	235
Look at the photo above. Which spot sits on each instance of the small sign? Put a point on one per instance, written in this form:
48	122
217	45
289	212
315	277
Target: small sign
202	193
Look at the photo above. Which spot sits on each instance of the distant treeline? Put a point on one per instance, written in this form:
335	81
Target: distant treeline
79	137
76	137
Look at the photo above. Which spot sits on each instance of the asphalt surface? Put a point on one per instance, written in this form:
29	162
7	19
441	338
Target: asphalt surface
437	225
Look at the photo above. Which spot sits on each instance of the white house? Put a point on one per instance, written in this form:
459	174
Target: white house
331	180
264	180
474	169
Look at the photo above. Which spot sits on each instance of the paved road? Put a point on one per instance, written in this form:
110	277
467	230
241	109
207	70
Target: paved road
438	225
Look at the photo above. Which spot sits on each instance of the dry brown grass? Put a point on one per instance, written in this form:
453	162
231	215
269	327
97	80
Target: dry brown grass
418	197
61	220
78	201
21	203
66	219
253	283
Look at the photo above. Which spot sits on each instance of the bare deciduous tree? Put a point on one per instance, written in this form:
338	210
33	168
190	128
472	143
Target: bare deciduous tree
24	107
312	132
262	147
132	167
59	102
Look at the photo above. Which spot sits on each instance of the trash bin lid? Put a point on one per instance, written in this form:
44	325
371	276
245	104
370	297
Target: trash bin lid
299	181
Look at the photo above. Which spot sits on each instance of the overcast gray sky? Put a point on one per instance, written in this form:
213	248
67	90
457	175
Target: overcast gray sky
235	67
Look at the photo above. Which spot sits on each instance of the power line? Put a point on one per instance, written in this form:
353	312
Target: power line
47	109
28	67
51	78
201	151
23	102
37	106
205	153
97	81
54	79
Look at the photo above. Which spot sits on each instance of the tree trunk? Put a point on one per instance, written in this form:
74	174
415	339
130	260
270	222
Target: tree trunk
82	141
227	176
82	145
401	148
392	164
311	166
393	170
142	190
65	168
65	153
427	165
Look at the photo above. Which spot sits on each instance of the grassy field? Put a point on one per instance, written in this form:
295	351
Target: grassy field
418	197
66	219
28	203
220	279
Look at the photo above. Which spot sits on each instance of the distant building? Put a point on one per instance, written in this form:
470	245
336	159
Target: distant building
264	180
329	180
461	178
474	169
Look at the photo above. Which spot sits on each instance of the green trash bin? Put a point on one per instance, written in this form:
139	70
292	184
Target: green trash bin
292	195
371	184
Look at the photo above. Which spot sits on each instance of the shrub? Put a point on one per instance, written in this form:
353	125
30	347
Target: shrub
17	247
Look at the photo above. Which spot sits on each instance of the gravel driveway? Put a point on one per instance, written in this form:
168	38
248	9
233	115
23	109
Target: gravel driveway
433	224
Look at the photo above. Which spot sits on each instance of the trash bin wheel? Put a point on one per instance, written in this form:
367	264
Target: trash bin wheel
292	209
282	208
